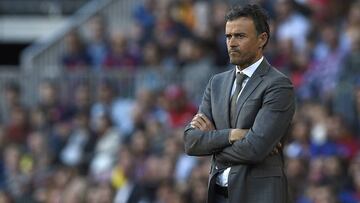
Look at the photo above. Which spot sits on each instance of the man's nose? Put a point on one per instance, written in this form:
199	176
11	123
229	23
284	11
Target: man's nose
232	42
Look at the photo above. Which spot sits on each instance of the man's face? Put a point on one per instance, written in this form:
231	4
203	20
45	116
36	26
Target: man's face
243	44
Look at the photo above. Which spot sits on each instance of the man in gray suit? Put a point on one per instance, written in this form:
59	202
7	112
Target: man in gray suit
244	115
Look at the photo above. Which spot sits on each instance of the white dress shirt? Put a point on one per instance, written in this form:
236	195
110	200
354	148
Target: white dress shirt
222	178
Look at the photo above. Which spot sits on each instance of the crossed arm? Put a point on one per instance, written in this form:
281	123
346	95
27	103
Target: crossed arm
201	122
243	146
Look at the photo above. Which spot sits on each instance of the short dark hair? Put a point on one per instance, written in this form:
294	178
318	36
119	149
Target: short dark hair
256	13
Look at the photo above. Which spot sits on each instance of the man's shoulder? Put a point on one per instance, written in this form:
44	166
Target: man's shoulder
277	75
275	72
224	74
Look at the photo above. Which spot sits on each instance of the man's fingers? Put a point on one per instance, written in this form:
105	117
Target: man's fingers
204	118
200	121
200	118
276	149
195	125
208	123
198	124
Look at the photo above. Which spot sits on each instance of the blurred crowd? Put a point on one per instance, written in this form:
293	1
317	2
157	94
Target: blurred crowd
92	144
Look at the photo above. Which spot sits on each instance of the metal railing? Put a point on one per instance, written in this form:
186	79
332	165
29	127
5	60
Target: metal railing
39	7
125	83
43	56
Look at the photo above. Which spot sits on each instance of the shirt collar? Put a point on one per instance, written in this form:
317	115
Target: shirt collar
249	71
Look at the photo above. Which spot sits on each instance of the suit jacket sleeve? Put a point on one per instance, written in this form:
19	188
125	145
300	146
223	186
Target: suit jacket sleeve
270	125
200	143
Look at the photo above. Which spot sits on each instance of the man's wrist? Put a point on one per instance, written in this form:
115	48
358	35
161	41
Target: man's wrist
231	136
236	134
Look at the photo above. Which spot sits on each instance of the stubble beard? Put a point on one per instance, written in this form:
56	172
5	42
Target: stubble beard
242	62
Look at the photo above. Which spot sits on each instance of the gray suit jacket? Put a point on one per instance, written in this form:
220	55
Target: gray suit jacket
266	107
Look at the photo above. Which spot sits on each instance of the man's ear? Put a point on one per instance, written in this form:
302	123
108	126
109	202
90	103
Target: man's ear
262	39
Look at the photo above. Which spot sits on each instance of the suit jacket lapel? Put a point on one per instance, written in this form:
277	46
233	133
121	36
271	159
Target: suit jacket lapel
227	90
251	85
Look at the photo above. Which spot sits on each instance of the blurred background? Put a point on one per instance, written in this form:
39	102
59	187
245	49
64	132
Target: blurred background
95	95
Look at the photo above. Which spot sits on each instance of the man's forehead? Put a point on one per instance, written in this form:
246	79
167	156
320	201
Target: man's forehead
240	20
238	24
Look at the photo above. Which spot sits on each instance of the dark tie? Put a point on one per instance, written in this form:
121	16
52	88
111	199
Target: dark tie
240	77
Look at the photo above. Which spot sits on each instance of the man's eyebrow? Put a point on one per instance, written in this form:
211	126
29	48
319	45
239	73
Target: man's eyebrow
236	33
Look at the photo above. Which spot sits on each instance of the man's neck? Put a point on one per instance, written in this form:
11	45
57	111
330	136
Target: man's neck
242	67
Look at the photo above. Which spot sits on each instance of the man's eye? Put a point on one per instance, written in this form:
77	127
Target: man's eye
239	36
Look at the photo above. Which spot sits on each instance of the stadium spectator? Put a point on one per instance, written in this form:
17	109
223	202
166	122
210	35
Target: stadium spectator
179	108
144	15
147	109
154	75
123	179
351	193
14	180
118	57
16	131
217	20
323	74
80	100
299	145
296	170
75	57
98	42
12	96
77	152
108	101
49	102
106	148
291	24
197	66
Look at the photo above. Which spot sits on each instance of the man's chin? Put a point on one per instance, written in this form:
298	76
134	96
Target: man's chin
234	61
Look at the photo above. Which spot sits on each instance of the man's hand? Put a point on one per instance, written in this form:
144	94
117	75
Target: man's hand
237	134
277	149
201	122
